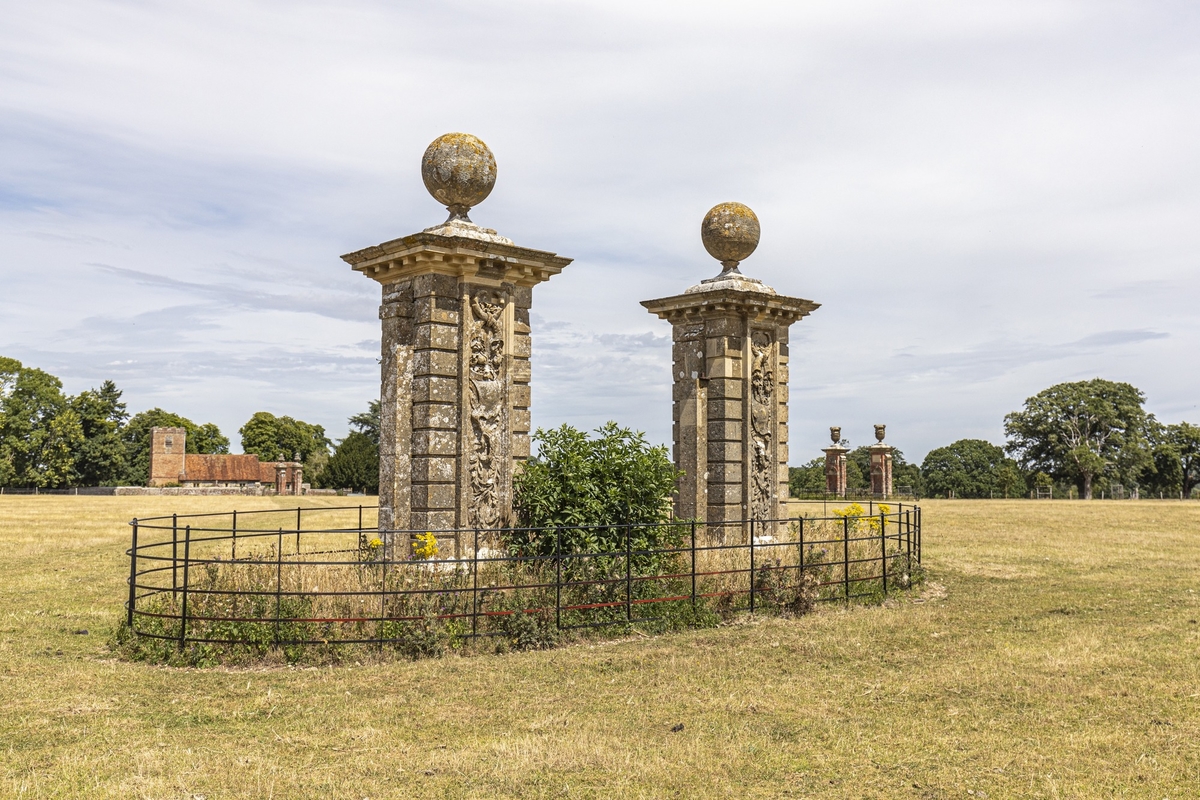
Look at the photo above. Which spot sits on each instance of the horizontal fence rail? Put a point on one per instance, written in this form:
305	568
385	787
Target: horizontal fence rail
328	576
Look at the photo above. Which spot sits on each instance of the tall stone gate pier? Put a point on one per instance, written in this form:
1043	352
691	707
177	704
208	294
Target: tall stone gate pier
454	400
730	370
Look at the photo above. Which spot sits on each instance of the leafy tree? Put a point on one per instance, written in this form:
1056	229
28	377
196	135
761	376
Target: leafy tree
135	436
100	459
614	479
970	468
38	430
1175	454
353	465
367	422
207	439
1080	431
1186	438
9	369
858	468
273	438
808	479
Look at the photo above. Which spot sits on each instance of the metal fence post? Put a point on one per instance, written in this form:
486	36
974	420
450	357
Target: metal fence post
908	534
919	543
693	564
557	578
187	557
846	558
298	531
382	598
802	549
751	566
132	575
883	548
174	557
233	550
278	582
628	574
475	587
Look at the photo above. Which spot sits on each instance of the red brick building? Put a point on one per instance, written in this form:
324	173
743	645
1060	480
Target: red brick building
171	465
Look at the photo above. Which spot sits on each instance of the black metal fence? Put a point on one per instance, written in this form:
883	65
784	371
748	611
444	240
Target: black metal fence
327	576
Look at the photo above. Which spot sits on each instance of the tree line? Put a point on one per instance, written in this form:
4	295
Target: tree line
1087	437
52	440
1090	436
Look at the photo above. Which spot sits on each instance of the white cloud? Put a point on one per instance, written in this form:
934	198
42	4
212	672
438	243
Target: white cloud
986	198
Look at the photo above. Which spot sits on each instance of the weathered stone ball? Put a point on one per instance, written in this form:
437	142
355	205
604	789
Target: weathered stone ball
458	170
730	232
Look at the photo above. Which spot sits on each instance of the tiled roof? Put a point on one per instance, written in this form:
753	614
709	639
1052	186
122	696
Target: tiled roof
242	469
267	472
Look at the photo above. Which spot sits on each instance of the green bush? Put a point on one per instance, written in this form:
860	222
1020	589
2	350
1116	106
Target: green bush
616	485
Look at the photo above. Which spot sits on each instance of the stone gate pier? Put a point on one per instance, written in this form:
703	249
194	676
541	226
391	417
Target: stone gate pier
881	464
455	389
835	464
730	373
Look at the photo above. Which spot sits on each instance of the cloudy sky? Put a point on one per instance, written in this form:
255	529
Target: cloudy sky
986	197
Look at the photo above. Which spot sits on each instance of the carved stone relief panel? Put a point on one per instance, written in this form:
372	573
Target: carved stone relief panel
486	399
763	470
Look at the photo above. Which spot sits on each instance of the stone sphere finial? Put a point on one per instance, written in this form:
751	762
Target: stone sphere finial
730	232
879	432
835	433
459	171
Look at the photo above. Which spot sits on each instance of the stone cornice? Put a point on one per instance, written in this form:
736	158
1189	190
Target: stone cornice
459	256
758	306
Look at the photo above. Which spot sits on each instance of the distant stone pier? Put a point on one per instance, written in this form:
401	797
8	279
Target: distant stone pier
730	373
455	390
881	464
835	464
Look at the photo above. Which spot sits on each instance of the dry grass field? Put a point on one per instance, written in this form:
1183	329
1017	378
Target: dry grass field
1055	653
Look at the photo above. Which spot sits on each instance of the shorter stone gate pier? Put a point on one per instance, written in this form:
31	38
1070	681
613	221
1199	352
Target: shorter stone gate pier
730	374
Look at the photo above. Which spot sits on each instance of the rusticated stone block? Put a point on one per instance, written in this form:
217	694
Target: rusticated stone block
724	389
442	416
436	337
433	495
427	388
725	368
435	362
725	493
724	451
725	409
723	431
434	443
430	521
433	470
725	472
522	346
